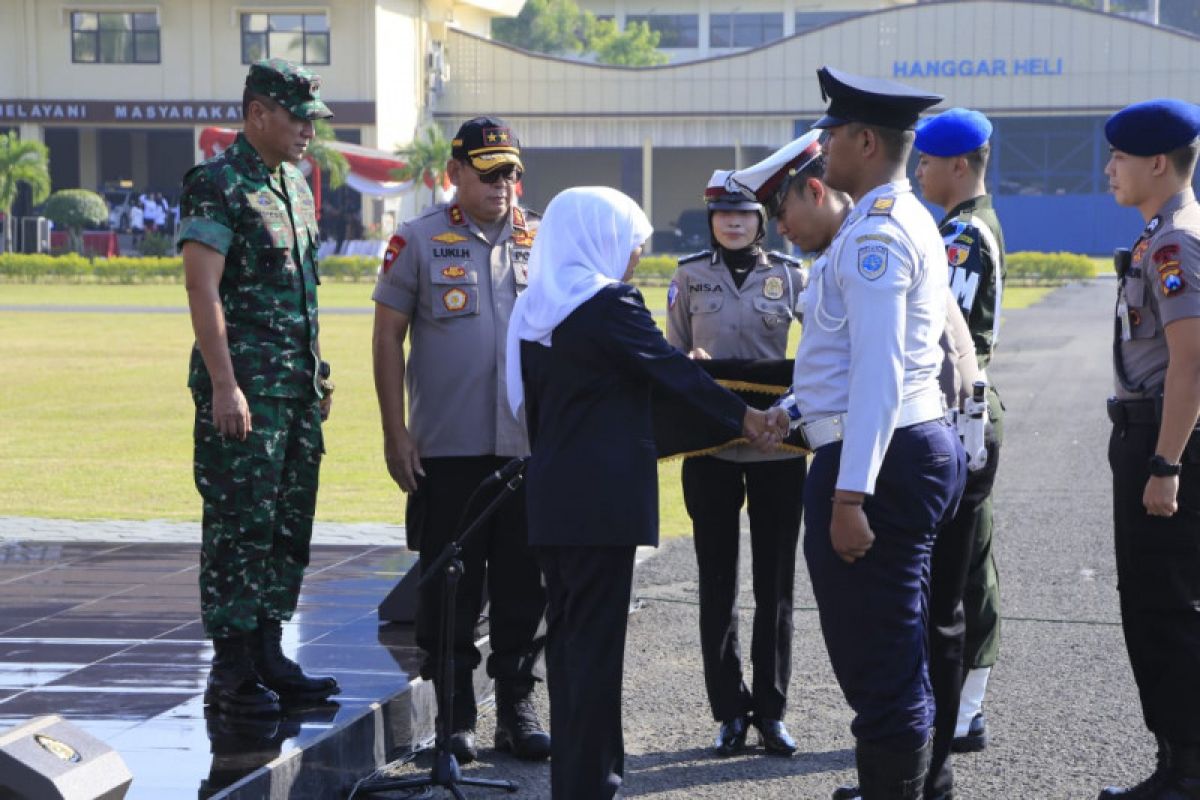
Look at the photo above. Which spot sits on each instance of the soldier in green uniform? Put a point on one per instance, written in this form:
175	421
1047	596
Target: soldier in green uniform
248	235
954	152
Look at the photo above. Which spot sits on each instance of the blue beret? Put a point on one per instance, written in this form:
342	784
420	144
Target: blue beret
1153	127
953	132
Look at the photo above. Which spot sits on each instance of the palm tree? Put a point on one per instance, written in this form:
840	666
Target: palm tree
331	162
26	162
425	159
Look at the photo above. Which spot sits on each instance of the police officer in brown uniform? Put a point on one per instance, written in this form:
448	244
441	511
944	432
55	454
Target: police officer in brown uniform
451	277
1154	450
736	301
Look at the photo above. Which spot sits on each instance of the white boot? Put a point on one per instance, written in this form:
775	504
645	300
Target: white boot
973	690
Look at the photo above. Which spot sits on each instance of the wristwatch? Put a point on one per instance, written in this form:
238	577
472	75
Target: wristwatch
1161	468
323	372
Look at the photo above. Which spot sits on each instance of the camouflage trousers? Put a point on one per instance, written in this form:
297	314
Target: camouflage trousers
259	498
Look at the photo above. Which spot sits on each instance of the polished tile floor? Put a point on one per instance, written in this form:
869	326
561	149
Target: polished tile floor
108	637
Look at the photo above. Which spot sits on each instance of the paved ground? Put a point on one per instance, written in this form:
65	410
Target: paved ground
1062	707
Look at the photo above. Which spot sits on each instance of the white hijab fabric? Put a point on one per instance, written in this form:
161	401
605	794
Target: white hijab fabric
583	244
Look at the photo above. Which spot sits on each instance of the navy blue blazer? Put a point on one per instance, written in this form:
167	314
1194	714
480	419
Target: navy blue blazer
592	479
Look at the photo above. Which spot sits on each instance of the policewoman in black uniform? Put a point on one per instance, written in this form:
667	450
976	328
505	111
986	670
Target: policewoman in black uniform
1154	450
736	301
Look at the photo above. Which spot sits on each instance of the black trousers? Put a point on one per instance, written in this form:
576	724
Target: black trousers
1158	576
713	491
498	553
953	554
588	592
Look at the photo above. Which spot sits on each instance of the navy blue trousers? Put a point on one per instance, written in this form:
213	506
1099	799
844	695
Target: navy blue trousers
874	612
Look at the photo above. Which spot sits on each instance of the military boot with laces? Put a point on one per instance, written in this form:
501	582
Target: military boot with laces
234	687
518	728
282	675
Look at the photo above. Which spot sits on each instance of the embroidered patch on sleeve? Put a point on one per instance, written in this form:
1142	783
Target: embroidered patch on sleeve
1170	271
672	294
872	261
395	245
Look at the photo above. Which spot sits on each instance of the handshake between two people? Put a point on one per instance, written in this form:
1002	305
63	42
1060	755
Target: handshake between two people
766	430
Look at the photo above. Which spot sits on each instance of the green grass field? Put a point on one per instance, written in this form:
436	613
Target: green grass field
97	418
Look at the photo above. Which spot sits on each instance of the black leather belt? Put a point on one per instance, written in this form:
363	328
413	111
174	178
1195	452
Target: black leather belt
1134	412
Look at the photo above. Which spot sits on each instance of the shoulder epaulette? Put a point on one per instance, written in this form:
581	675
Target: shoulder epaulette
695	257
783	258
882	207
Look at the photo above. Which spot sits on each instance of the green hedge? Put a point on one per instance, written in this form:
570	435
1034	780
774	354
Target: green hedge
1049	267
148	269
653	270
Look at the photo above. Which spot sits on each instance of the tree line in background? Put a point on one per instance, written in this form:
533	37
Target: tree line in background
559	27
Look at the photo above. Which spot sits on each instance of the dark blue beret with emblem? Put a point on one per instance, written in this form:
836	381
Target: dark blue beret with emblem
1153	127
872	101
953	132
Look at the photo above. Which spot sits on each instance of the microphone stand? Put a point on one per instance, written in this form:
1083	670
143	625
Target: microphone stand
446	772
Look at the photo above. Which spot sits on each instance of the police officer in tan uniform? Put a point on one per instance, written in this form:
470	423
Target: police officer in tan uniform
1154	450
451	276
737	301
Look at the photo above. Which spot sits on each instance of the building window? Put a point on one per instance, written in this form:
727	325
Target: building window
299	38
675	30
744	30
1048	155
101	37
807	20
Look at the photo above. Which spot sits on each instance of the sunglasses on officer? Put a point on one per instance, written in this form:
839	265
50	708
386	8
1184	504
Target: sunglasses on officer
510	173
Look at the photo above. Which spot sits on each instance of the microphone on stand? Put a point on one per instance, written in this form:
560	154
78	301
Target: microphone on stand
506	472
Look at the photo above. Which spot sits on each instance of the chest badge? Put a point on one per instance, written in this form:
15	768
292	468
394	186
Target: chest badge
454	272
872	261
773	287
455	300
449	237
1139	251
522	238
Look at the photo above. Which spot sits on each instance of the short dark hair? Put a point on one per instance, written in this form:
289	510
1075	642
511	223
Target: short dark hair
813	169
977	159
249	97
1184	158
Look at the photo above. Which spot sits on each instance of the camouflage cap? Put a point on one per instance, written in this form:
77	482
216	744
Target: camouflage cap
486	143
290	85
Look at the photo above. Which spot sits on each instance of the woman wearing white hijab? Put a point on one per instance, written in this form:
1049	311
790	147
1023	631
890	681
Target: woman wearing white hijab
584	355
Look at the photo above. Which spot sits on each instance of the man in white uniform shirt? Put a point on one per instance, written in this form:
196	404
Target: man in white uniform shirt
887	469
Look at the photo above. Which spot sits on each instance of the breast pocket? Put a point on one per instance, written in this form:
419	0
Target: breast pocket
1142	322
705	308
774	313
454	291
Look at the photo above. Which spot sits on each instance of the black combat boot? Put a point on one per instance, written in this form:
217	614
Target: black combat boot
1152	786
280	673
233	685
517	725
888	775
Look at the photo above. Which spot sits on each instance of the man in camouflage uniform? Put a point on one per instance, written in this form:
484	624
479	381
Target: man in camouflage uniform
954	152
248	235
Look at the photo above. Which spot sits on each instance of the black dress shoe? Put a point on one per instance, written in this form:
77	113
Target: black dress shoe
731	738
847	793
976	738
462	745
775	738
